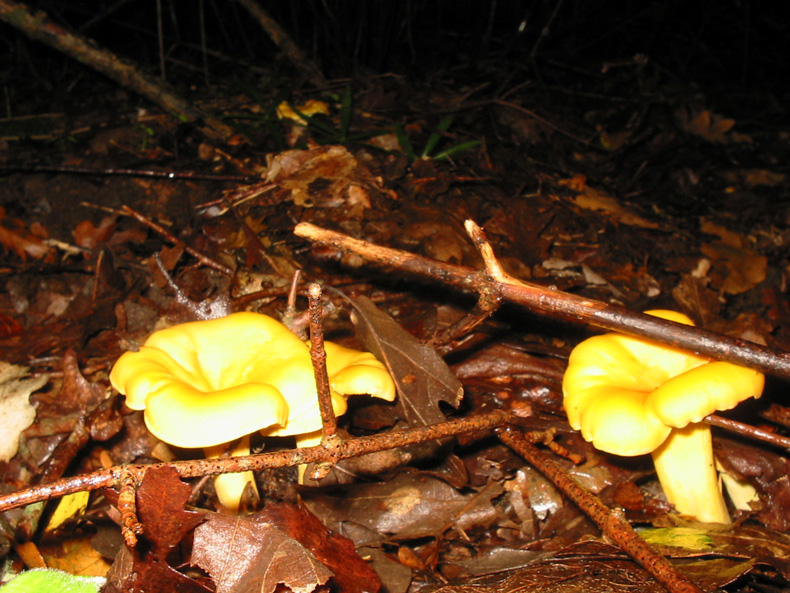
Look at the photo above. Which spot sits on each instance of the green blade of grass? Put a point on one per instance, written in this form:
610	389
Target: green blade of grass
457	148
346	109
404	142
434	138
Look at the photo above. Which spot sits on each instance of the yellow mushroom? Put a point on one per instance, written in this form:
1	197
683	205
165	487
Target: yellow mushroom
630	396
309	108
207	383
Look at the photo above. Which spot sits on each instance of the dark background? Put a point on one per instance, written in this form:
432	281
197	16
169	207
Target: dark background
734	47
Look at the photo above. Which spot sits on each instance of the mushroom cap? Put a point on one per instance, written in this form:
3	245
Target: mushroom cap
209	382
626	394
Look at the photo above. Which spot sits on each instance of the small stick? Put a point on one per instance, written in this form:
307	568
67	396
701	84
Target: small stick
290	307
611	523
557	304
318	358
206	261
96	276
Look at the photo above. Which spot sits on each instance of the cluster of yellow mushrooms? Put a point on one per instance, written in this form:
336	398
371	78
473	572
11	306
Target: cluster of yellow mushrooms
210	383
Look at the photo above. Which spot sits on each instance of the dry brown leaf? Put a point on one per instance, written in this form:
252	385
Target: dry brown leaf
736	267
423	379
351	574
76	557
710	126
408	506
17	239
320	176
244	555
592	199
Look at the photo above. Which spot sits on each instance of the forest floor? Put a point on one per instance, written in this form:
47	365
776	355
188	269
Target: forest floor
627	190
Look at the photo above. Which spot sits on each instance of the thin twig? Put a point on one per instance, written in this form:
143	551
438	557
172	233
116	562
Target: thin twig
611	523
564	306
158	228
111	477
752	432
117	172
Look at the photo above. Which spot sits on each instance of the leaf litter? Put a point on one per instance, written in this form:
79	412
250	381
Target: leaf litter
469	516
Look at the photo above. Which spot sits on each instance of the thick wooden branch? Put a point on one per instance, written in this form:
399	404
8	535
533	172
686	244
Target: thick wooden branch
560	305
39	27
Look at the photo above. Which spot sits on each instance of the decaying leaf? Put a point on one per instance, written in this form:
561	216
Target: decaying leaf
16	412
131	572
594	566
407	506
320	176
351	573
244	555
423	379
736	267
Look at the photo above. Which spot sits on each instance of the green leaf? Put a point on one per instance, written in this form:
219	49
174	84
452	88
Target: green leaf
49	580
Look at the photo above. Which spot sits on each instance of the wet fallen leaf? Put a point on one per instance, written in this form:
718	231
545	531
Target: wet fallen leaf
689	538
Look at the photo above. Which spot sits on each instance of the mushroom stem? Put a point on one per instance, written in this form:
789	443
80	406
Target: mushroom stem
231	487
687	472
